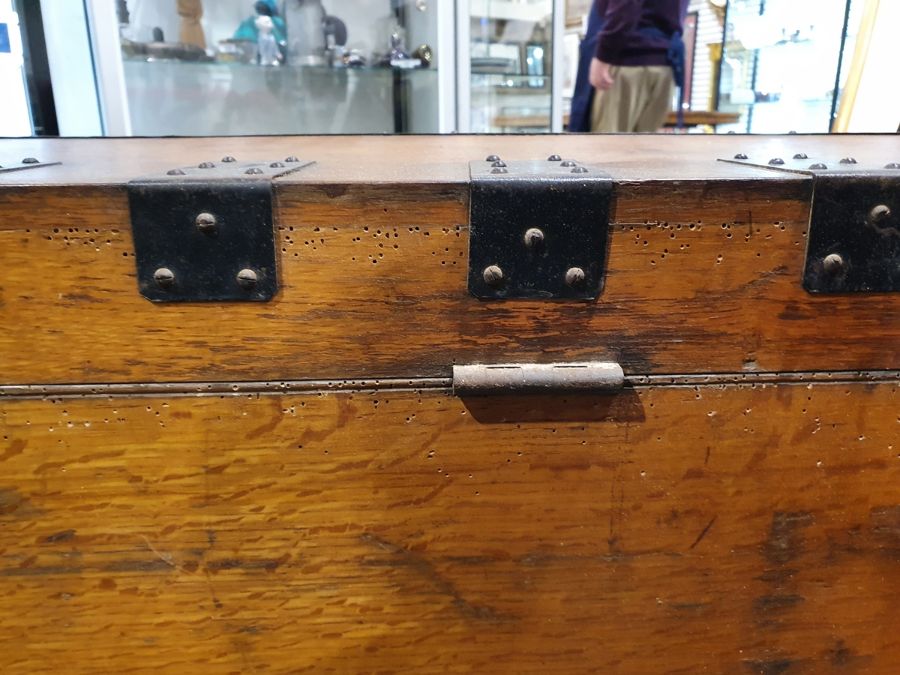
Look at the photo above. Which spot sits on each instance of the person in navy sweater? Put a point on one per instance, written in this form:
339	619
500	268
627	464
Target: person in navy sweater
638	61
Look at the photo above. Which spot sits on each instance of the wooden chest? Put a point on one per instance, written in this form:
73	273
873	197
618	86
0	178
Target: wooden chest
251	420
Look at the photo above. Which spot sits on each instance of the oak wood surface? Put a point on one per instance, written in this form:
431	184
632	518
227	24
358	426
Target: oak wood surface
733	529
431	159
702	276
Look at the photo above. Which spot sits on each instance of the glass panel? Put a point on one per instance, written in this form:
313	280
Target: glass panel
780	64
228	67
15	119
511	65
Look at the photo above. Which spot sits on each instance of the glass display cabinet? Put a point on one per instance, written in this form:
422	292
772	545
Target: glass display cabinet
228	67
506	74
781	64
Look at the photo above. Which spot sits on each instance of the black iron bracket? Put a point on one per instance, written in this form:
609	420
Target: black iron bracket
538	229
207	232
853	241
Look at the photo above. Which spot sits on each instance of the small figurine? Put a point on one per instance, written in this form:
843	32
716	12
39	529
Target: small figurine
266	47
248	29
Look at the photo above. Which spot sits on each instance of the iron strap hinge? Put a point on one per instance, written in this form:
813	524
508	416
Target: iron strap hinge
537	229
853	241
207	233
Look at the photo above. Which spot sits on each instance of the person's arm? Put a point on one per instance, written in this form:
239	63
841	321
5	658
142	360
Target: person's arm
621	17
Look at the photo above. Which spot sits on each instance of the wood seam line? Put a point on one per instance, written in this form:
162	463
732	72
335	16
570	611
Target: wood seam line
363	385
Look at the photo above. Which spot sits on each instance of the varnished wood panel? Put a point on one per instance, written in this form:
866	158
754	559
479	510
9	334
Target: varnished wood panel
702	276
681	530
429	159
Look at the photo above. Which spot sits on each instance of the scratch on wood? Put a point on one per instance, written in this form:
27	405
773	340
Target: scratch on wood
703	532
426	569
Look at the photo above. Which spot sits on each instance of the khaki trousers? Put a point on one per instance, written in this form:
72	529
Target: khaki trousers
639	100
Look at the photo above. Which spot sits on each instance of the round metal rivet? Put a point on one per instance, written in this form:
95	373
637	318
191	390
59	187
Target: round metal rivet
253	170
554	158
164	277
30	160
568	163
174	172
493	275
228	159
776	161
533	237
206	222
492	158
848	160
580	169
206	165
499	169
575	276
833	263
247	278
818	166
801	155
740	155
291	159
892	165
499	162
276	165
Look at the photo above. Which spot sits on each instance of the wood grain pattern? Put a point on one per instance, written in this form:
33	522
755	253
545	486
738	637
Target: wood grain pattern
732	529
703	276
429	159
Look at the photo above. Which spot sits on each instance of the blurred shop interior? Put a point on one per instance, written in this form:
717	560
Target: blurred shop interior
239	67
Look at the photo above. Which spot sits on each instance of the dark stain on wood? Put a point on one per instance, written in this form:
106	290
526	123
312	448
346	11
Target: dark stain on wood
885	523
152	565
13	503
785	541
16	446
774	603
769	667
267	564
64	535
403	557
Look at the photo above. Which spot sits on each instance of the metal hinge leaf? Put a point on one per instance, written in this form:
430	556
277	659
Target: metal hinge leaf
207	233
853	241
537	230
